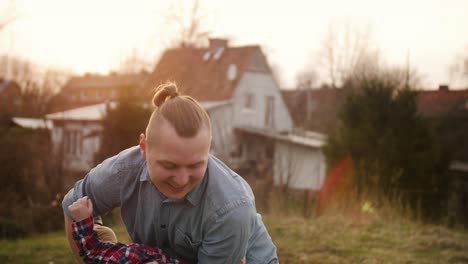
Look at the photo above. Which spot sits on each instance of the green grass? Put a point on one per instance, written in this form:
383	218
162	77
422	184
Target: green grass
51	248
326	239
340	239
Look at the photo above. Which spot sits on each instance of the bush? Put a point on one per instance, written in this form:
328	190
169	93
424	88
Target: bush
393	152
31	185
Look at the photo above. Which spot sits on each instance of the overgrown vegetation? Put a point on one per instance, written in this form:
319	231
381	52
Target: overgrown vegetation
333	238
393	151
31	183
122	124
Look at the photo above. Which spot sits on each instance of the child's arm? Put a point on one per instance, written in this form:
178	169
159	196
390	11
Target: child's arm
93	250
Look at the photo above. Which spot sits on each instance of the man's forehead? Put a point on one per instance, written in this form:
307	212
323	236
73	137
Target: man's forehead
182	163
164	130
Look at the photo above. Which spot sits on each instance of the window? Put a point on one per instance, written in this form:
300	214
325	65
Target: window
249	101
231	73
72	142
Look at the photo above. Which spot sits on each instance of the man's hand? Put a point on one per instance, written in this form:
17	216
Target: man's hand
81	209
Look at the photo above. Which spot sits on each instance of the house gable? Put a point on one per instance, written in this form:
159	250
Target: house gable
206	74
258	103
258	63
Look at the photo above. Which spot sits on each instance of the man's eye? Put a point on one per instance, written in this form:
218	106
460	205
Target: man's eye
169	166
195	166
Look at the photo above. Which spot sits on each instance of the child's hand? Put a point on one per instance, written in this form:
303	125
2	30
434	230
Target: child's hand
81	209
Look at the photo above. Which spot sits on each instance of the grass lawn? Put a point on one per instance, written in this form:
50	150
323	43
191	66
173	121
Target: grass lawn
338	239
327	239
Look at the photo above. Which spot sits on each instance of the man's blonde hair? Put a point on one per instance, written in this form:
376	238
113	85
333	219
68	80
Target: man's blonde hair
182	112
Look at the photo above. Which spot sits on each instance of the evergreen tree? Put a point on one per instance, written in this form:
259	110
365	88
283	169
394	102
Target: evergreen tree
393	151
125	120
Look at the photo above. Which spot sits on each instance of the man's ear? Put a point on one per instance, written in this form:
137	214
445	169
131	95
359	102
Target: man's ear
142	144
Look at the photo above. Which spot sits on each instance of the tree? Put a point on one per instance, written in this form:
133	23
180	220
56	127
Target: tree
123	123
347	50
307	79
393	152
458	70
133	64
31	185
37	84
8	15
189	24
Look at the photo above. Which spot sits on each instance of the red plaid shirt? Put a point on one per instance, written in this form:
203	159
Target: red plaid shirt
93	250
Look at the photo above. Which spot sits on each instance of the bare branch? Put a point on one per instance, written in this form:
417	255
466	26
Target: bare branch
8	15
189	26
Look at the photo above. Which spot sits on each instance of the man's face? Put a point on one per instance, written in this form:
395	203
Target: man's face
176	164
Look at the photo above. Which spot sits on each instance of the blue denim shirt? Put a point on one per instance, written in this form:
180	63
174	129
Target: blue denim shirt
215	223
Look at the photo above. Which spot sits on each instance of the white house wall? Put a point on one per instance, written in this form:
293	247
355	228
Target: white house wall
89	144
261	85
221	123
298	166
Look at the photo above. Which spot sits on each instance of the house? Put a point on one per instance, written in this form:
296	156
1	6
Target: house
32	123
91	89
297	160
433	104
250	121
10	97
75	138
235	84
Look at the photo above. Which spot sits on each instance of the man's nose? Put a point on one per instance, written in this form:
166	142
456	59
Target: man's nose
182	177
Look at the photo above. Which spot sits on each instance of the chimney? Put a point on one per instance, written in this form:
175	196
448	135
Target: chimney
218	43
443	88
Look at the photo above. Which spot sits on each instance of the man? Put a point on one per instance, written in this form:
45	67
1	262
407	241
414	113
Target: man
174	195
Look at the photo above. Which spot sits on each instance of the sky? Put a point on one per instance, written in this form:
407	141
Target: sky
97	35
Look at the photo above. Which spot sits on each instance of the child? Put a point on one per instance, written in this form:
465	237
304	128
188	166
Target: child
93	250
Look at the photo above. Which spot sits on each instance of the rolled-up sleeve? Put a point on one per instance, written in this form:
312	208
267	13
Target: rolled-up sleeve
102	185
227	235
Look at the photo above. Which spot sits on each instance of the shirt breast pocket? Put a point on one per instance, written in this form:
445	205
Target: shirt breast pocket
185	247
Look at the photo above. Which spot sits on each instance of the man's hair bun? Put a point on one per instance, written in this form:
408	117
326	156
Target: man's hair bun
164	92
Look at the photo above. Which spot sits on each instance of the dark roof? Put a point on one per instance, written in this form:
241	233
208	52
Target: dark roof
436	103
203	73
63	101
105	81
5	84
325	104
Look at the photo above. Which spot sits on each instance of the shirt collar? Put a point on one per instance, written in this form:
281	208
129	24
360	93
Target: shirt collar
144	176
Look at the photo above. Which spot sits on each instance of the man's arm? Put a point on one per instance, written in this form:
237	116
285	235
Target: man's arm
102	184
226	238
